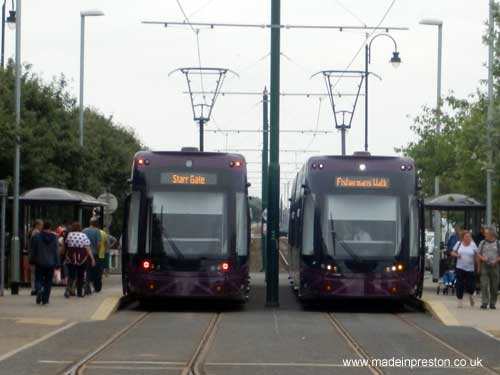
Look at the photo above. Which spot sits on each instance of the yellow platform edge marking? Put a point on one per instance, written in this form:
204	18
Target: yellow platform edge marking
441	313
106	308
39	321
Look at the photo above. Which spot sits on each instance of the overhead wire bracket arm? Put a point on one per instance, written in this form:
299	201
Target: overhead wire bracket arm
212	25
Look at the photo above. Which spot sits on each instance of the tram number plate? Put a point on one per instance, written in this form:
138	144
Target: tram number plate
188	179
362	182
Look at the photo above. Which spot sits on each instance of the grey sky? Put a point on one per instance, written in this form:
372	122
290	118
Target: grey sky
127	65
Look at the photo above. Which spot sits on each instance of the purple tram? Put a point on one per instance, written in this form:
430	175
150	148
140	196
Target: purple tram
187	226
356	228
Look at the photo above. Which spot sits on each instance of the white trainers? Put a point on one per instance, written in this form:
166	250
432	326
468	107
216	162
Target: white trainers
460	304
471	300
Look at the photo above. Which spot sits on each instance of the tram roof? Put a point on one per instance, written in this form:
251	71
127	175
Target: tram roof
50	195
453	202
190	151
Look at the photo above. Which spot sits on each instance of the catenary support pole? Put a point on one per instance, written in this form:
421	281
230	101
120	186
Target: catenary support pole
3	203
489	120
366	94
343	131
437	214
202	134
265	166
272	270
82	73
3	35
15	243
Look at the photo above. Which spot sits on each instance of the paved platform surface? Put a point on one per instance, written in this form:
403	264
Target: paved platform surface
444	308
22	321
211	338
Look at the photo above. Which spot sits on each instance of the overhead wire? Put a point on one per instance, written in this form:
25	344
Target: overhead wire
197	38
343	6
317	123
366	41
200	8
301	67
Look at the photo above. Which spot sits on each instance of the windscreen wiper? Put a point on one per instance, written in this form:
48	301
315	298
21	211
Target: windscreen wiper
349	251
167	237
173	245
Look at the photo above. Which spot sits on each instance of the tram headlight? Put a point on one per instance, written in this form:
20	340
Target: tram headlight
331	268
396	267
362	167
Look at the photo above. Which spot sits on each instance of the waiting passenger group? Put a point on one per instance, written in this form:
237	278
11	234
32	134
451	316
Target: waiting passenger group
79	256
471	260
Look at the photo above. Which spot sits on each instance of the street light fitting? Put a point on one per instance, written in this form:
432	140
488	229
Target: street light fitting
395	60
395	55
431	21
91	13
11	19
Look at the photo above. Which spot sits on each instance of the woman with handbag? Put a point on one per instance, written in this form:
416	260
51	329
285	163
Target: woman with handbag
465	251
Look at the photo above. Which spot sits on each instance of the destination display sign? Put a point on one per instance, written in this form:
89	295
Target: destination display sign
182	178
362	182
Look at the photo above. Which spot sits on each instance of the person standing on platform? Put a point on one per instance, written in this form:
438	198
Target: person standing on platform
94	274
465	251
78	255
103	250
489	258
112	242
454	238
45	257
37	227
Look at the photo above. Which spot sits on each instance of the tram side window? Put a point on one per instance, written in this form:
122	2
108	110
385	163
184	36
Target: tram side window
133	222
414	224
241	225
298	187
308	226
294	188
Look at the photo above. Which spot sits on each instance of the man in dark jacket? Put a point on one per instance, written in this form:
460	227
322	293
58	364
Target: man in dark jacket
45	257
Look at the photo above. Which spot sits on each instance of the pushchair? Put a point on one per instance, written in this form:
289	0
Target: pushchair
448	279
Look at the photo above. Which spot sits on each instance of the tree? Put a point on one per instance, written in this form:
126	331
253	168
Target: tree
459	153
50	151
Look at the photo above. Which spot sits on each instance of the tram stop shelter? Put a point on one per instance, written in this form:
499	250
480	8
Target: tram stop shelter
458	209
57	205
52	203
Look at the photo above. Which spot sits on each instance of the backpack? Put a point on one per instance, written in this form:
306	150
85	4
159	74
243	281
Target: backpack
481	246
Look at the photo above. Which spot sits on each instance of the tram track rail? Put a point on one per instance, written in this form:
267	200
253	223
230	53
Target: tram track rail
195	364
78	367
363	354
193	367
440	341
356	347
